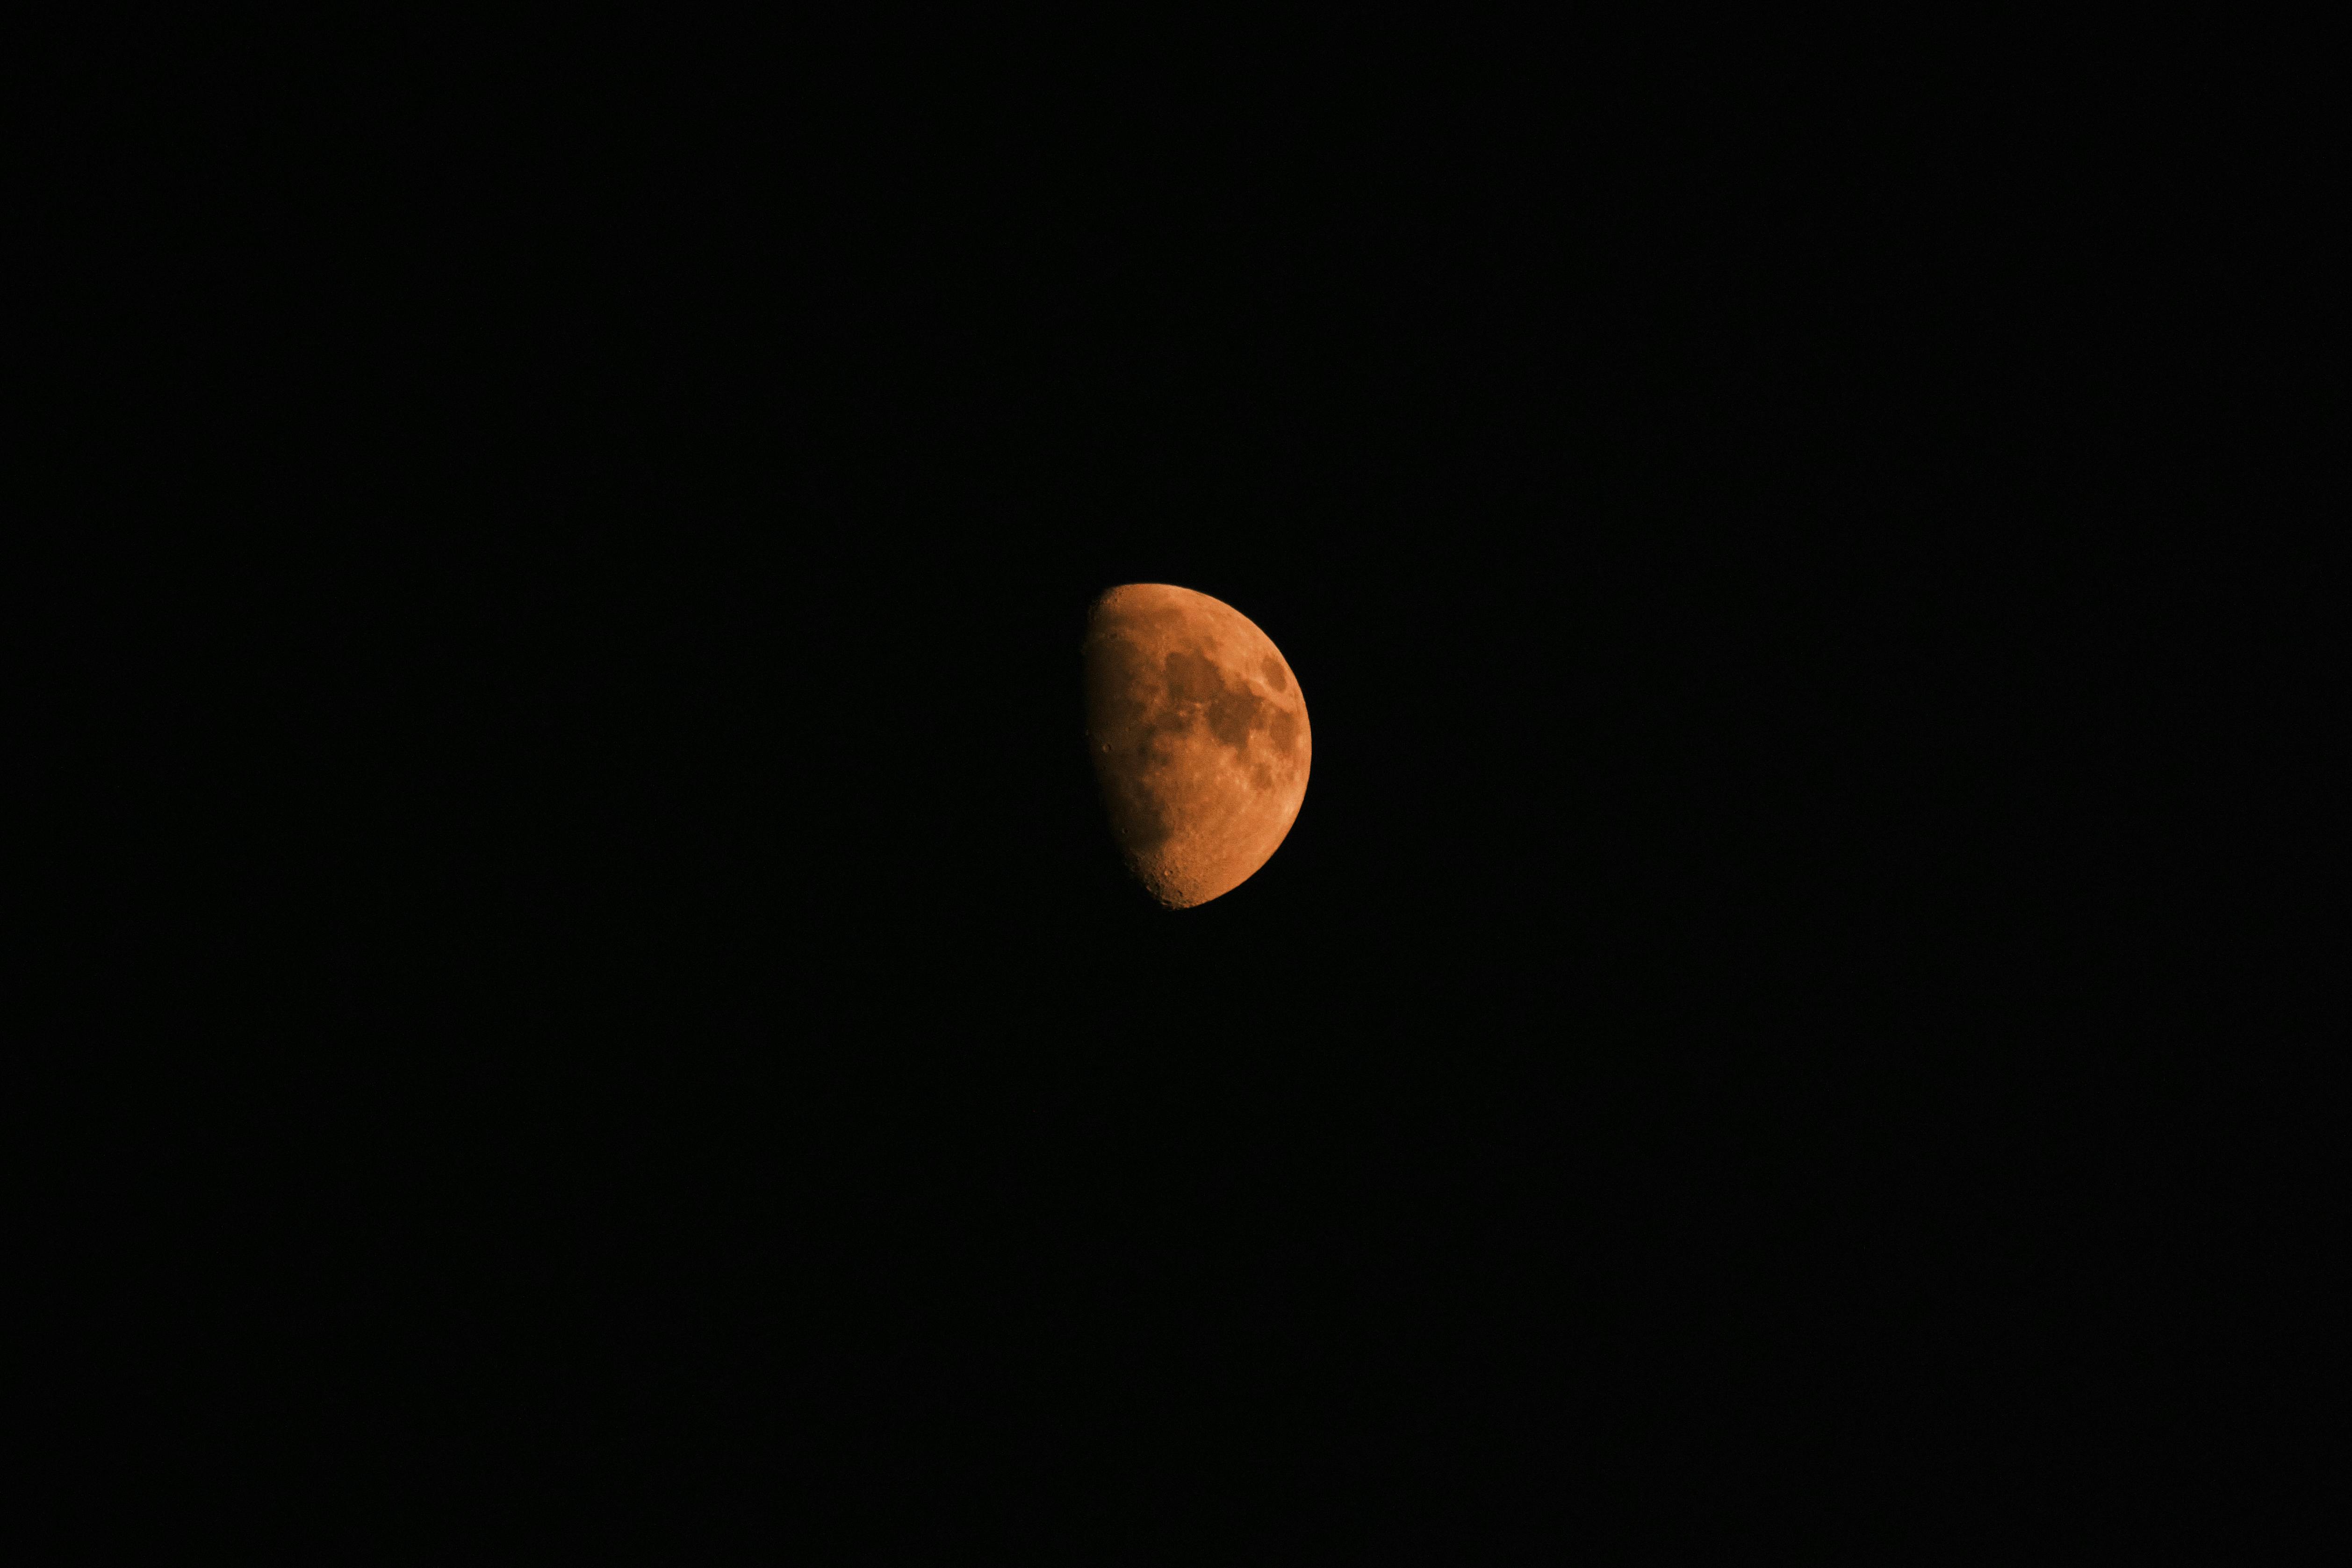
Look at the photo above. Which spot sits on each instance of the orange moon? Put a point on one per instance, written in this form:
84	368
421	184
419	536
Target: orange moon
1199	738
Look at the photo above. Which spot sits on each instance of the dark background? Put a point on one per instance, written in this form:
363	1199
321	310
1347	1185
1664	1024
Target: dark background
1715	1052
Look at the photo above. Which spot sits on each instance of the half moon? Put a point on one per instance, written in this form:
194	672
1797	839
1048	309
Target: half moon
1199	738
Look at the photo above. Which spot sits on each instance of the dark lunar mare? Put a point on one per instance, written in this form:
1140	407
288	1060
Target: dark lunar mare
1131	705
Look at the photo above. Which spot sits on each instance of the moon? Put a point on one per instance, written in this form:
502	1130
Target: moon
1199	737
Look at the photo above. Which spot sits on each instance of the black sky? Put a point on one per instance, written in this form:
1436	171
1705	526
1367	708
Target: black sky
1709	1054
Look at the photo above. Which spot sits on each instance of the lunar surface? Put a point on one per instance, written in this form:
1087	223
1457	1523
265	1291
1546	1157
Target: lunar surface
1199	738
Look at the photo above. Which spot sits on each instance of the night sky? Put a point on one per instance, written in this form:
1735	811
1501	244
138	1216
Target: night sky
1712	1054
